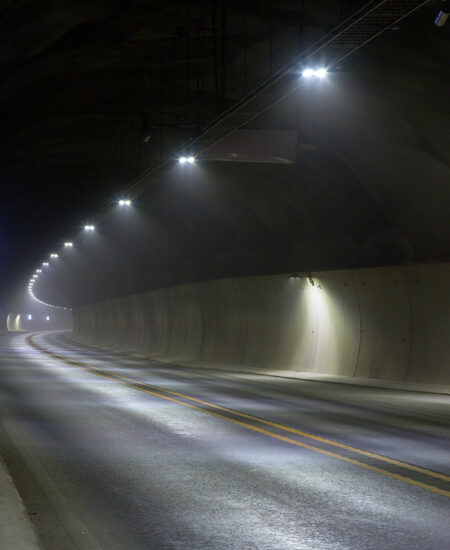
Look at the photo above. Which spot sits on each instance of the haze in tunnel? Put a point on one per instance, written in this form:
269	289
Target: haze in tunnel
224	298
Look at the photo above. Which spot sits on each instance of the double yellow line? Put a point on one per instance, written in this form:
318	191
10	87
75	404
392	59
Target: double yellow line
166	394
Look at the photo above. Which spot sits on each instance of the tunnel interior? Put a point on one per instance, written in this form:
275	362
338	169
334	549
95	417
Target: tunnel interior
224	274
105	93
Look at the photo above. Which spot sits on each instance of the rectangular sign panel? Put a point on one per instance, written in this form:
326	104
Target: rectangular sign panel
274	146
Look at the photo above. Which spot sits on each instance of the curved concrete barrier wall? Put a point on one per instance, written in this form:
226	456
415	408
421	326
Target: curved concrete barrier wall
388	323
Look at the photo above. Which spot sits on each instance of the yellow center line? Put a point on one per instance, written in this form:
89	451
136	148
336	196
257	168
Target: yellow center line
136	385
282	427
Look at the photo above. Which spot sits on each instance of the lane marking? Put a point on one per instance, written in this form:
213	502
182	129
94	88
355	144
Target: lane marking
137	385
276	425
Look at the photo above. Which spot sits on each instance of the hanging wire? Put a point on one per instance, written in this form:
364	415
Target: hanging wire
270	37
245	44
300	24
203	110
223	56
216	65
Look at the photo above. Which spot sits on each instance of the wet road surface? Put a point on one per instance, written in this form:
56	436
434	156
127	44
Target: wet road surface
113	452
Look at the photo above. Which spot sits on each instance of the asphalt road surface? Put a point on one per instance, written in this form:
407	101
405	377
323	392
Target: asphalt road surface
112	452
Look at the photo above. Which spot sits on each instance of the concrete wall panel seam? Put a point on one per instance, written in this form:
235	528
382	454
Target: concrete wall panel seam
388	323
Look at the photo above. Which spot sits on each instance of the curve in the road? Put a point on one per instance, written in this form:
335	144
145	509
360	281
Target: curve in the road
230	415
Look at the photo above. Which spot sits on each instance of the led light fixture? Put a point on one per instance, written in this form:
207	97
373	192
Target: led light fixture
184	160
317	73
443	14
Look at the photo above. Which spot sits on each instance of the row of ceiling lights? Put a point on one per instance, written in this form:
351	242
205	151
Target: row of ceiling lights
54	256
307	73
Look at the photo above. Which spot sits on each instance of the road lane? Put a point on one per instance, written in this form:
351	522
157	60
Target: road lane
136	471
248	421
353	415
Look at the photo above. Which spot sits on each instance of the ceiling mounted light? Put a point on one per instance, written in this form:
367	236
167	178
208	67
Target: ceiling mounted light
308	73
68	245
124	202
190	160
89	227
54	255
318	73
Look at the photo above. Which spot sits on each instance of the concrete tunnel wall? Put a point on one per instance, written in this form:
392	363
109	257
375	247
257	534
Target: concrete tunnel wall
389	323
